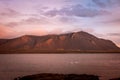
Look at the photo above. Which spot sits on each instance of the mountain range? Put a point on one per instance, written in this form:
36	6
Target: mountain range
76	41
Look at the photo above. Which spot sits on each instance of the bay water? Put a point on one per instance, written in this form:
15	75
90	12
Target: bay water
106	66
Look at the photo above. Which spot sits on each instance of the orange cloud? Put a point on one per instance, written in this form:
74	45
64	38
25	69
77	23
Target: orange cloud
6	32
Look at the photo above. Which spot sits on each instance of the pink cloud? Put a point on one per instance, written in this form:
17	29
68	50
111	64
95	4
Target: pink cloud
37	32
8	12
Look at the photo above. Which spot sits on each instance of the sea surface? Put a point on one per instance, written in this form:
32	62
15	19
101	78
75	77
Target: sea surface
15	65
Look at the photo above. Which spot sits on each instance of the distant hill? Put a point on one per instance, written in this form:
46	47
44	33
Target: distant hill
76	41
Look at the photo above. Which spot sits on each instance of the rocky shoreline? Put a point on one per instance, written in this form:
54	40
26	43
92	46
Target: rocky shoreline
54	76
49	76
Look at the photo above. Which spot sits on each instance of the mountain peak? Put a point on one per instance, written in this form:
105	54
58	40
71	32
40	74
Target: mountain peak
82	34
26	36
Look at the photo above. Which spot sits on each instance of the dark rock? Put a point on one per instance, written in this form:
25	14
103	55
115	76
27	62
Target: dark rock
115	79
48	76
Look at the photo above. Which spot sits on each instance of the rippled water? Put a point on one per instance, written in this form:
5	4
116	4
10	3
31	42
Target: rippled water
105	65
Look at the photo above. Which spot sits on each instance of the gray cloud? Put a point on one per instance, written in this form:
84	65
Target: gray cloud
100	3
114	34
116	20
107	3
34	20
112	20
29	21
115	2
76	10
9	13
67	20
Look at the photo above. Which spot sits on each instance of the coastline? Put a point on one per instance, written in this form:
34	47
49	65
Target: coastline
57	51
56	76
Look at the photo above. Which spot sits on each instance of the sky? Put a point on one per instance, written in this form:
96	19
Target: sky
41	17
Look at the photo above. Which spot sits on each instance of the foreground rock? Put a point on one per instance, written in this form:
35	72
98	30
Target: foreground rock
115	79
48	76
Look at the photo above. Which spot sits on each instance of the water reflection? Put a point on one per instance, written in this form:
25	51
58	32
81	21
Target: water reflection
105	65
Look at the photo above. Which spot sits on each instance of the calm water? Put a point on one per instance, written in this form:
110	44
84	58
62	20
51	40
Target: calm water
105	65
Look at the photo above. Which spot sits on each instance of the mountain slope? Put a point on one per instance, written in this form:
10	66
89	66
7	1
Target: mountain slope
71	41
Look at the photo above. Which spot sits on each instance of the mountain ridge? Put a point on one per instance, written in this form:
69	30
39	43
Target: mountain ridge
77	41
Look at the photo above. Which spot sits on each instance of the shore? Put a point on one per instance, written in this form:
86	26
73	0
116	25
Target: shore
56	51
50	76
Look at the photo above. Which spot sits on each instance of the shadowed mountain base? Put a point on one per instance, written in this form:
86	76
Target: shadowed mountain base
115	79
48	76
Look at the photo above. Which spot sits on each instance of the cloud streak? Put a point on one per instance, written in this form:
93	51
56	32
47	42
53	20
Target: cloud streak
114	34
107	3
76	10
101	3
28	21
7	12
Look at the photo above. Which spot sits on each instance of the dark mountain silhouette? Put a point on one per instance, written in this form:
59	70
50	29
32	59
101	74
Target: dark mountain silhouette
70	41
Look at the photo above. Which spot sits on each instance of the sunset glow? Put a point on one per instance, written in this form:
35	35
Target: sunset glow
42	17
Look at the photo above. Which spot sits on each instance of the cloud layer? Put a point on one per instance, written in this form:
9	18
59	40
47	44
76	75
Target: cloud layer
75	10
40	17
